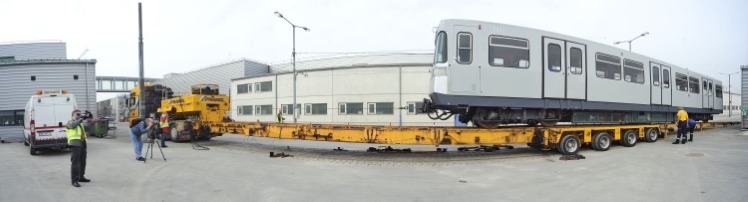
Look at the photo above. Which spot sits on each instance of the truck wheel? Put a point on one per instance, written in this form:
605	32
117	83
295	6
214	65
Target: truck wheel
601	141
651	135
569	145
33	150
174	134
25	141
629	138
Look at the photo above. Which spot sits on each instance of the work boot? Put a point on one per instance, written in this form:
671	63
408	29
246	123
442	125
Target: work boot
683	141
690	139
75	184
676	141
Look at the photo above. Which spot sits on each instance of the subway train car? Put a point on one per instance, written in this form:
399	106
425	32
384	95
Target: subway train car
492	74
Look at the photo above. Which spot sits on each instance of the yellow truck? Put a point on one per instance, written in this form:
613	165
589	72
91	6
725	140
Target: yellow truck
190	115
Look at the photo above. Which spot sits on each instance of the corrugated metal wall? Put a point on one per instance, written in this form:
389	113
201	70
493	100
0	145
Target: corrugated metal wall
219	74
26	51
17	87
744	91
354	60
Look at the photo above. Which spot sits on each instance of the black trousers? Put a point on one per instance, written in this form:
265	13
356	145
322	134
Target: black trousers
78	159
682	129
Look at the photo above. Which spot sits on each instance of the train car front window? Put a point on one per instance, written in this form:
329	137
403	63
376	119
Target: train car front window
508	52
440	56
718	89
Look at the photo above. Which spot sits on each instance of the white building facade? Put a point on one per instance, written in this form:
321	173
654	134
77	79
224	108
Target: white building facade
384	89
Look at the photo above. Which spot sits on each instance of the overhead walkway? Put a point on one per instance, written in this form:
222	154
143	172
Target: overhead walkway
118	84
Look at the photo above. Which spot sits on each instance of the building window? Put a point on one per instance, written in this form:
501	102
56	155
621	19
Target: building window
243	88
554	57
508	52
351	108
693	83
608	66
381	108
575	63
266	86
633	71
286	108
33	78
244	110
75	77
7	59
718	89
464	48
414	107
320	108
11	117
681	82
264	109
665	78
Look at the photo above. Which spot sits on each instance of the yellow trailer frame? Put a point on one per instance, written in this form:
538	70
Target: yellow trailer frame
566	139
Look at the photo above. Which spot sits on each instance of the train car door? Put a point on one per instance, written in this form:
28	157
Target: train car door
667	91
465	75
554	73
656	85
576	82
707	95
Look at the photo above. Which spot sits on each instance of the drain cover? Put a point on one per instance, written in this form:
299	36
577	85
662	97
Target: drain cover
695	154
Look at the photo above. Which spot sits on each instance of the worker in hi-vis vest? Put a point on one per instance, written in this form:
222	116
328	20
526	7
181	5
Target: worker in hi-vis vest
164	125
279	118
76	134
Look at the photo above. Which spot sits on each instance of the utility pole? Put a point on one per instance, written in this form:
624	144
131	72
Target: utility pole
141	82
729	92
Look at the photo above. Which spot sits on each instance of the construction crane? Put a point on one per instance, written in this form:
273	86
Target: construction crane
82	54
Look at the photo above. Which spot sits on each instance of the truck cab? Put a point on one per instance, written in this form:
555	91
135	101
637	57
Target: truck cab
45	117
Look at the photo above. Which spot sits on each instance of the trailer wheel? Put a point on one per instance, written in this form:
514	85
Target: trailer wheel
601	141
174	134
651	135
569	145
33	150
629	138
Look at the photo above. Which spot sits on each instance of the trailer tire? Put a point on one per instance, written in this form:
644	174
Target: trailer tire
651	135
569	145
601	141
629	138
174	134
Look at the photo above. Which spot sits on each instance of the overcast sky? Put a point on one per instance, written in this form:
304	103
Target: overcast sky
705	36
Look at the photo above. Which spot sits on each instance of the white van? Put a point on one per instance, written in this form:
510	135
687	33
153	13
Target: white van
46	114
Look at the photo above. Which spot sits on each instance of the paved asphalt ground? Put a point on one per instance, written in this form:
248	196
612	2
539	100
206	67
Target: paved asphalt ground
237	168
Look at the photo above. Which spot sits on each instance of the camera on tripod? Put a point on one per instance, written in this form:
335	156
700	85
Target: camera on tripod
154	132
86	115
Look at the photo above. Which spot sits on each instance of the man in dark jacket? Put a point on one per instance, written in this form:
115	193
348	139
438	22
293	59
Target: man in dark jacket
135	135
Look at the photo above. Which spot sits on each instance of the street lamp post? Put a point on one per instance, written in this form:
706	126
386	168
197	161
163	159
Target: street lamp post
729	92
294	59
629	41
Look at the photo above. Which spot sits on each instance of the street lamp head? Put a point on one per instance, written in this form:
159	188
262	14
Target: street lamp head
616	43
306	29
278	14
645	33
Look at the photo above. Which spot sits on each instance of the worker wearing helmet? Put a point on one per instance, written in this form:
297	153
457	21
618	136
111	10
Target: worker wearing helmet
279	118
164	125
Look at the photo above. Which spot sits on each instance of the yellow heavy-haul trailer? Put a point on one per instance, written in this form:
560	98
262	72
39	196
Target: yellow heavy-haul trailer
565	139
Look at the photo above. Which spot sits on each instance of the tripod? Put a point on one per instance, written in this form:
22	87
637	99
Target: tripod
152	140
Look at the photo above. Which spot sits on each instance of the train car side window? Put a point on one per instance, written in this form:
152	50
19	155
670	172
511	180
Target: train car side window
665	78
607	66
655	76
575	63
693	84
554	57
718	89
508	52
710	87
681	82
633	71
464	48
441	48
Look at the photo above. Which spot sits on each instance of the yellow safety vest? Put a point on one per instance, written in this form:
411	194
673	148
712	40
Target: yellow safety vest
75	134
164	124
279	118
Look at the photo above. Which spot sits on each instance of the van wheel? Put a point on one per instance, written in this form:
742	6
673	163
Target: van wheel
33	150
174	134
25	141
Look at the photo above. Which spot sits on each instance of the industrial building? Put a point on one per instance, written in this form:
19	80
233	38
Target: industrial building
27	67
367	89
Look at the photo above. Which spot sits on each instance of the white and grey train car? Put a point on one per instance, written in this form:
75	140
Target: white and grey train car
493	74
